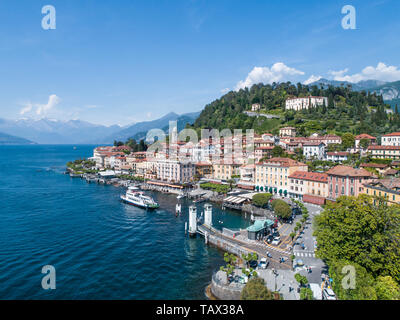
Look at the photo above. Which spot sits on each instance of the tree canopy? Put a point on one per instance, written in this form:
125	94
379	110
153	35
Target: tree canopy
255	289
282	209
261	199
347	111
364	234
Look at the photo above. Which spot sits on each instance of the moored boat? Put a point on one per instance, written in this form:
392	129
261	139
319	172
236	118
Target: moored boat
139	199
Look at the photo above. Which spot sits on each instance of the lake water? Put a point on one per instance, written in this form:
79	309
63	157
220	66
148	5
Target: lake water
100	247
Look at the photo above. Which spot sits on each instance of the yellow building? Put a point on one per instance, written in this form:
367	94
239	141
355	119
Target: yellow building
224	170
273	174
387	188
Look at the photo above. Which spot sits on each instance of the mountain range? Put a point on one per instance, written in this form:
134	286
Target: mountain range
47	131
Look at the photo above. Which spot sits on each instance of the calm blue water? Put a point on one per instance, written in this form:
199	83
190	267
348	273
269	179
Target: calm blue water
100	247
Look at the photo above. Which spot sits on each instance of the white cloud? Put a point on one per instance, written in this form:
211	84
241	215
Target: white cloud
338	74
226	90
27	108
42	109
38	108
312	79
278	72
380	72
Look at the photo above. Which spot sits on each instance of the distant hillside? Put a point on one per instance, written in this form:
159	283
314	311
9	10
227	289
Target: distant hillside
47	131
359	86
347	111
390	91
6	139
139	130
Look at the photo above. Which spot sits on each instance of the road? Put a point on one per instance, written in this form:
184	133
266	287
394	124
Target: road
308	253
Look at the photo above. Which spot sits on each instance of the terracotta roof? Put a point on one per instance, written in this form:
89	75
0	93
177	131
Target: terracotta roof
364	136
374	165
391	172
265	148
384	148
392	134
311	143
203	164
337	153
391	183
284	162
348	171
310	176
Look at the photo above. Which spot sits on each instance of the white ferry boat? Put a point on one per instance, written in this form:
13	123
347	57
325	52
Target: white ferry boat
138	199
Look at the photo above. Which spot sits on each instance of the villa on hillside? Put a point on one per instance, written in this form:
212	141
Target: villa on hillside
305	103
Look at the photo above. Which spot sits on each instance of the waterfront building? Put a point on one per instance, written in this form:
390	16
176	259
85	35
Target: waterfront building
337	156
311	187
119	163
287	132
305	103
225	170
346	181
314	150
387	188
204	169
173	170
391	139
384	152
247	174
272	175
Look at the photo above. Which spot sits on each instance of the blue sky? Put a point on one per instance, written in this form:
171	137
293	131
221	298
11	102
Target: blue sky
117	62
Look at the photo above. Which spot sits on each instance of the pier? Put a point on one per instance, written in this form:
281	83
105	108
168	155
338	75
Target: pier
231	243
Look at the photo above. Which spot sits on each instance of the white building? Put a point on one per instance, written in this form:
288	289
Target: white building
391	139
337	156
314	150
255	107
173	170
305	103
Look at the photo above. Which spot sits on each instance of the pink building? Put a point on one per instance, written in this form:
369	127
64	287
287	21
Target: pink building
346	181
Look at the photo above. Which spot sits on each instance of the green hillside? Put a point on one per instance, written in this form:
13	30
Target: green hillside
347	111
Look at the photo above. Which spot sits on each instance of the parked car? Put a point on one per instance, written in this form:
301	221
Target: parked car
276	234
276	241
328	294
253	264
263	263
